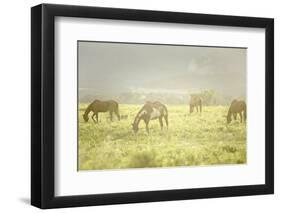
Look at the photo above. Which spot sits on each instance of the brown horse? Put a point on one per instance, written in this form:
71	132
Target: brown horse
101	106
237	107
151	111
195	101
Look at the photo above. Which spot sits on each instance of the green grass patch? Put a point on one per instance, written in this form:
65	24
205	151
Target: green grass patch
191	140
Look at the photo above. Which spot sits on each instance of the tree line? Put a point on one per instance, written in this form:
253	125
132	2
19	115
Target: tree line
209	97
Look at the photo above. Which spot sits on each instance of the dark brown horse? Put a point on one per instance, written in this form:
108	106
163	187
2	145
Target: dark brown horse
101	106
195	101
237	107
151	111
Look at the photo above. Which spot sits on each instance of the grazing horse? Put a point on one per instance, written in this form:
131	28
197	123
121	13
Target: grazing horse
237	107
151	111
195	101
101	106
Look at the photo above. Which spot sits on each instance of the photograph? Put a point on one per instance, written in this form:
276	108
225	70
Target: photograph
139	105
146	105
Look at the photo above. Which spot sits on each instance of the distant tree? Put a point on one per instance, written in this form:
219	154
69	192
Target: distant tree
208	97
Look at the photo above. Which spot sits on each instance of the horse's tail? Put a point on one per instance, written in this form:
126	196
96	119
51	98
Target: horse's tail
166	117
166	120
165	112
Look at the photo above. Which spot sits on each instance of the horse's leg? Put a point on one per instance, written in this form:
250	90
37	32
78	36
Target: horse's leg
117	114
161	122
146	125
110	115
93	117
235	116
196	108
241	118
97	117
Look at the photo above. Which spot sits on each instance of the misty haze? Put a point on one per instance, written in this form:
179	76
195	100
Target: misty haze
135	73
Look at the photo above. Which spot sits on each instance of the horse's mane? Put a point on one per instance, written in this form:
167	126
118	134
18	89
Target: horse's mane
229	112
230	107
95	101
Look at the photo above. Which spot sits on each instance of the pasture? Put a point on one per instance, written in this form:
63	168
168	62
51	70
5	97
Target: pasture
191	140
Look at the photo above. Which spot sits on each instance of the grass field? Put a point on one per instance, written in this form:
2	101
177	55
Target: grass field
191	140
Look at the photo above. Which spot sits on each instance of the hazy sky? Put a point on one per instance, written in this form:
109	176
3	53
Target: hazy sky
119	67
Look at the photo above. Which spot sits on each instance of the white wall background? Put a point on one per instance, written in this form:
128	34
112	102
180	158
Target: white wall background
15	105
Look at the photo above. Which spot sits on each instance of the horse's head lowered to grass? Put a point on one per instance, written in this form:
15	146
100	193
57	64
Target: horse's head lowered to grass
237	108
151	111
85	117
135	127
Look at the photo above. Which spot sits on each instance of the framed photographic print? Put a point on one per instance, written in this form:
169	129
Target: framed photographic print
139	106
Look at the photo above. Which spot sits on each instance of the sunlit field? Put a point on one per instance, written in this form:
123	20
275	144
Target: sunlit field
191	140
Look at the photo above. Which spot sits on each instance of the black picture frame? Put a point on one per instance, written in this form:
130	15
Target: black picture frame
43	102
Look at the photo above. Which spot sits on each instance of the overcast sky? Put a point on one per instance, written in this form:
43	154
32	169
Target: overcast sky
119	67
